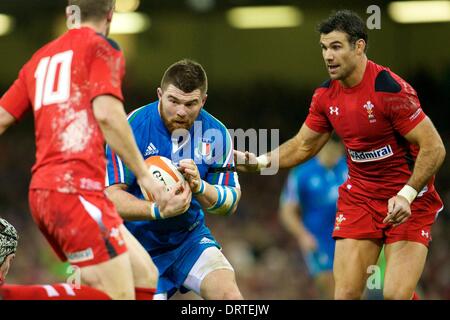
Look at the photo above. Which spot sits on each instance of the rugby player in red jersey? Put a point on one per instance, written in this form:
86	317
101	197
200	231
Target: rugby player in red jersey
73	87
393	153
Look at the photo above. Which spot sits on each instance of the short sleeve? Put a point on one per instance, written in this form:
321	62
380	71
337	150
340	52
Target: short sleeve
403	109
107	69
317	119
16	100
116	171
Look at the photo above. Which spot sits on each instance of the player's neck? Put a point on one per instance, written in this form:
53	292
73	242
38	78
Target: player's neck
356	76
99	27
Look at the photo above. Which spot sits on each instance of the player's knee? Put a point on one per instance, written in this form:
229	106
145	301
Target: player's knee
232	294
347	293
146	275
122	293
226	293
153	275
397	293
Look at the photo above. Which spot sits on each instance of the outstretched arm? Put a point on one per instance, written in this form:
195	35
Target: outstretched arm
303	146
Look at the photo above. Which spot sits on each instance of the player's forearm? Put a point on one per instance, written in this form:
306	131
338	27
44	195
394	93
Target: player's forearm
428	162
219	199
6	120
129	207
209	197
299	149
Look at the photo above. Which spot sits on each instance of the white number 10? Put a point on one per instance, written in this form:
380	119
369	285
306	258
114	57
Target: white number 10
45	76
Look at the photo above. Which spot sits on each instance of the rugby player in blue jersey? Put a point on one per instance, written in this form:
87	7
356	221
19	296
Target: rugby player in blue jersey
177	127
308	211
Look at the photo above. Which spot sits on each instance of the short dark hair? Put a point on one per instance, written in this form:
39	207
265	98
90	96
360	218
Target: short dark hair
345	21
93	10
187	75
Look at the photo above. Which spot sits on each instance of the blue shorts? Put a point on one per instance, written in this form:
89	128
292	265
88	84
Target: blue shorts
321	260
174	265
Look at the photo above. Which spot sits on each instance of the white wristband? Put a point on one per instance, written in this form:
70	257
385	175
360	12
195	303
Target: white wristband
408	192
263	161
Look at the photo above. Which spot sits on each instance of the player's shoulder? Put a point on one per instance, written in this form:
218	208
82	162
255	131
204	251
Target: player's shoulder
325	86
100	39
324	89
143	115
387	81
210	122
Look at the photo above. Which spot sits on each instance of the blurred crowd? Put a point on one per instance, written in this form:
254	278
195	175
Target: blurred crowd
267	260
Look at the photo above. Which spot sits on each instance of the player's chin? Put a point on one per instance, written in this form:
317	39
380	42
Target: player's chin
177	126
335	76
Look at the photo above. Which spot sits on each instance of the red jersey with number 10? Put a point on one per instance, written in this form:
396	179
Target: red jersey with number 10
372	119
59	83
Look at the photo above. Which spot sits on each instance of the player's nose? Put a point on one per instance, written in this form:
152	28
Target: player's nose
328	55
181	112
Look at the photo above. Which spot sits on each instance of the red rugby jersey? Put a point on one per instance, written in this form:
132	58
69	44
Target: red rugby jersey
371	118
59	83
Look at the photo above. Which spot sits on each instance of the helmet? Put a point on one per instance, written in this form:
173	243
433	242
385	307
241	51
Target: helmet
8	239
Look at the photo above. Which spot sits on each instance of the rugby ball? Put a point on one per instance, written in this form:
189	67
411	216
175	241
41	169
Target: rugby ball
164	170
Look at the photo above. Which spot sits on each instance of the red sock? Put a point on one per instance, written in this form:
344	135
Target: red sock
144	293
59	291
415	296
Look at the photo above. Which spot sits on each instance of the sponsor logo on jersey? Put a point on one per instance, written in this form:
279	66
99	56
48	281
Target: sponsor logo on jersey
206	241
151	150
373	155
425	234
80	256
334	110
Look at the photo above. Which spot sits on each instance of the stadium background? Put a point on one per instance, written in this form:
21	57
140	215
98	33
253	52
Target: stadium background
258	78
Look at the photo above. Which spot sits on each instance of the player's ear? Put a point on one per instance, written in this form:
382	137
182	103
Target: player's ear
360	46
160	93
110	15
205	96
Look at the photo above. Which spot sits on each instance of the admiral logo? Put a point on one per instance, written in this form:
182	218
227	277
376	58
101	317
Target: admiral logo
374	155
80	256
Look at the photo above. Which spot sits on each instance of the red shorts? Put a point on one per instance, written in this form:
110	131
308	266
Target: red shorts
82	228
358	217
